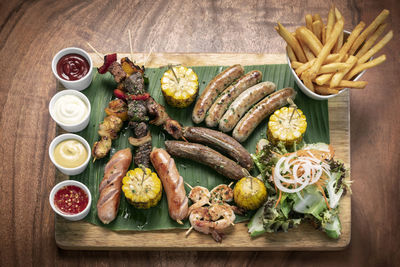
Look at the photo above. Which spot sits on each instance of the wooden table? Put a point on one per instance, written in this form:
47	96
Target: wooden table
32	32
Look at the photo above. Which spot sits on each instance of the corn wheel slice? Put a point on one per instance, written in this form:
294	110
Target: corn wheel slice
179	91
287	125
142	189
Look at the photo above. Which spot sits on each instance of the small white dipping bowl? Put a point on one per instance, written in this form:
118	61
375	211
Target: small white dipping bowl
71	217
63	137
310	93
83	82
73	128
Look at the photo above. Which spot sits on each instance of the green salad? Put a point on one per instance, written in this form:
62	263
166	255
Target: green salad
304	183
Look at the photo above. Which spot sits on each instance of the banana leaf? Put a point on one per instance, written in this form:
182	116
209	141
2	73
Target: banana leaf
100	93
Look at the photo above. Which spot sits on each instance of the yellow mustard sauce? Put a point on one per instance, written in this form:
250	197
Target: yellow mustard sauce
70	153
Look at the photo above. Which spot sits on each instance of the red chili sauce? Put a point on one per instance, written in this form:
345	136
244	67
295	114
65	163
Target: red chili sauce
72	67
71	199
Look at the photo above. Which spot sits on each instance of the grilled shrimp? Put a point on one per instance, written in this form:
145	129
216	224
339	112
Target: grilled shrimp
221	193
200	197
222	216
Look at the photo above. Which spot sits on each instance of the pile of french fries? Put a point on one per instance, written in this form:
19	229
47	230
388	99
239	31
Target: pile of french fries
324	61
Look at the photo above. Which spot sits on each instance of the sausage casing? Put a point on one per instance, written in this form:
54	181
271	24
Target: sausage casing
223	101
172	183
220	141
110	186
213	89
206	156
243	103
260	111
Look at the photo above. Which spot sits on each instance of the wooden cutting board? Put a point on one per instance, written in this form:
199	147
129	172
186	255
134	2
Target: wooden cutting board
85	236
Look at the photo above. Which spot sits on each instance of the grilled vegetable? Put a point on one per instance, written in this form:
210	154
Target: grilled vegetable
179	86
142	189
287	125
117	108
250	193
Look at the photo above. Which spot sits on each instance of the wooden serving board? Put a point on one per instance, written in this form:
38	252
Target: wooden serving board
85	236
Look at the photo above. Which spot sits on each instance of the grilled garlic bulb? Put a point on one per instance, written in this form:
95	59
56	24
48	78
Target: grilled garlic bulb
142	189
287	125
179	86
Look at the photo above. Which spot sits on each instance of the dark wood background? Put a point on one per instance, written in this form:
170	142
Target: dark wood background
31	32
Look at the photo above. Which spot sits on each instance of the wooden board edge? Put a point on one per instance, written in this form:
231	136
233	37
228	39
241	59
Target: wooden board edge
214	60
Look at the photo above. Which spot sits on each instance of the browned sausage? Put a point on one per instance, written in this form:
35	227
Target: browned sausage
221	142
172	183
213	89
206	156
260	111
110	186
222	103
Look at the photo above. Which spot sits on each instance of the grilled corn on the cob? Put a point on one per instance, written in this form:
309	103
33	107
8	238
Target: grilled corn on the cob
142	189
287	125
179	86
250	193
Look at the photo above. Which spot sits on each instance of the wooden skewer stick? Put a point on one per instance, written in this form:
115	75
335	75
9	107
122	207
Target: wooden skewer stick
189	186
94	49
130	45
148	56
230	184
188	231
179	221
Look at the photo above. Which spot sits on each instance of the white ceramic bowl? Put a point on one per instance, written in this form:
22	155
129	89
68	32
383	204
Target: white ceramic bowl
310	93
73	128
80	84
63	137
71	217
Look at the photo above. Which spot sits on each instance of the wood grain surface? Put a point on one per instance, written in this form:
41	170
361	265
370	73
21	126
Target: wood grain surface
31	32
83	235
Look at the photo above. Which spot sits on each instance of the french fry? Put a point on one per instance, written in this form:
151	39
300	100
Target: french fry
309	54
337	29
309	21
309	39
350	40
333	67
325	90
305	67
317	29
323	34
359	68
331	58
353	84
307	81
290	53
317	17
323	79
339	42
370	29
376	48
292	41
296	64
330	23
371	40
335	81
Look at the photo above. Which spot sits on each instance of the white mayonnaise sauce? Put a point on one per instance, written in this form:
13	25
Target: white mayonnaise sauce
70	109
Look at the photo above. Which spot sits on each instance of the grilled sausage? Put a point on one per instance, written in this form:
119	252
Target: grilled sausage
244	101
260	111
221	142
206	156
172	183
213	89
229	94
110	186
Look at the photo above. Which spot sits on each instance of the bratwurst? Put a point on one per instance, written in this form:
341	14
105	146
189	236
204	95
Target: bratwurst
220	141
260	111
213	89
110	186
206	156
172	183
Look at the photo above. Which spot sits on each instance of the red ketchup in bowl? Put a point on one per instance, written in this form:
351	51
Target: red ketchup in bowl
72	67
71	199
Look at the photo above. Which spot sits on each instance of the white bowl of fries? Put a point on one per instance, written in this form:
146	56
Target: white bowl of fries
327	60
